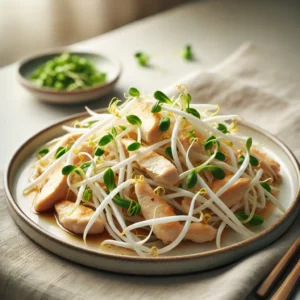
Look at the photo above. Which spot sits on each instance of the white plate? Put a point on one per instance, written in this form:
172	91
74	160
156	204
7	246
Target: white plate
188	257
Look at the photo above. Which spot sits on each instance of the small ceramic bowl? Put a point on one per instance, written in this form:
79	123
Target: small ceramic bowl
111	67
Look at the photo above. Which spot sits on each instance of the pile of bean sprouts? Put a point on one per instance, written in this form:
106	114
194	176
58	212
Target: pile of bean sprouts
123	228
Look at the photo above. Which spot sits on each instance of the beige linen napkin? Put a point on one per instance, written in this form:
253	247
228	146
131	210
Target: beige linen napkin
245	84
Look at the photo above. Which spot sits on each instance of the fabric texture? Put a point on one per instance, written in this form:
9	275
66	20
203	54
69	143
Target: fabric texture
246	84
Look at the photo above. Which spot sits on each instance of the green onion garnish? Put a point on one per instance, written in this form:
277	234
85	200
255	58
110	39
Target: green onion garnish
142	59
187	53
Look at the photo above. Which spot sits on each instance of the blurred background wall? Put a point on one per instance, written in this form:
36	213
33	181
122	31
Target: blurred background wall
28	26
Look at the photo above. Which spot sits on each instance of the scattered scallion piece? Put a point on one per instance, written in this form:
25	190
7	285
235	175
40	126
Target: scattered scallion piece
187	53
142	59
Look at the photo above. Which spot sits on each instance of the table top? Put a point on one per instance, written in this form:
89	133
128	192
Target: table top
213	28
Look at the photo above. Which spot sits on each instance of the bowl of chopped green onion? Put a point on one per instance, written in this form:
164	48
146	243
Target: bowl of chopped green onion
68	76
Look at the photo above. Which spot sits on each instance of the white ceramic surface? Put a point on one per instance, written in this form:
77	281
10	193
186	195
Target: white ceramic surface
112	68
187	257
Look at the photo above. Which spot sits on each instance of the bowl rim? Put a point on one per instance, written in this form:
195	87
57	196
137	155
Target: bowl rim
282	219
57	51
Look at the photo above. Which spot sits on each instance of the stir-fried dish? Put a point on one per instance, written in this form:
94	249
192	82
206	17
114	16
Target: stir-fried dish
153	172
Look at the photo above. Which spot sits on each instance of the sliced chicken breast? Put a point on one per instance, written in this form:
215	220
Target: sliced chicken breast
153	205
235	193
156	166
201	233
55	189
150	122
76	220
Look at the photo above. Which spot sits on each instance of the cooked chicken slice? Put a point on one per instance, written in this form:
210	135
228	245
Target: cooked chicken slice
154	206
186	203
195	150
55	189
271	168
150	122
200	233
76	220
235	193
156	166
70	139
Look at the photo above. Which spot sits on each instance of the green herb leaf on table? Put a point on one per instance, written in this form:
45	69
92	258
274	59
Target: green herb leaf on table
142	59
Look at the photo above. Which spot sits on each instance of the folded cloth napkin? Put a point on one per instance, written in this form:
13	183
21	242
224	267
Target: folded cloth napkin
245	84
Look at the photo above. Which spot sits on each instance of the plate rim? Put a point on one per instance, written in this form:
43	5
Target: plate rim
281	220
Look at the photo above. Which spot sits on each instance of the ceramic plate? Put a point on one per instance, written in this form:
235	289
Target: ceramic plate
187	257
111	67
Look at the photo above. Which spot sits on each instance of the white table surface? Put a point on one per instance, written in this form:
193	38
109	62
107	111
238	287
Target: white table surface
213	28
